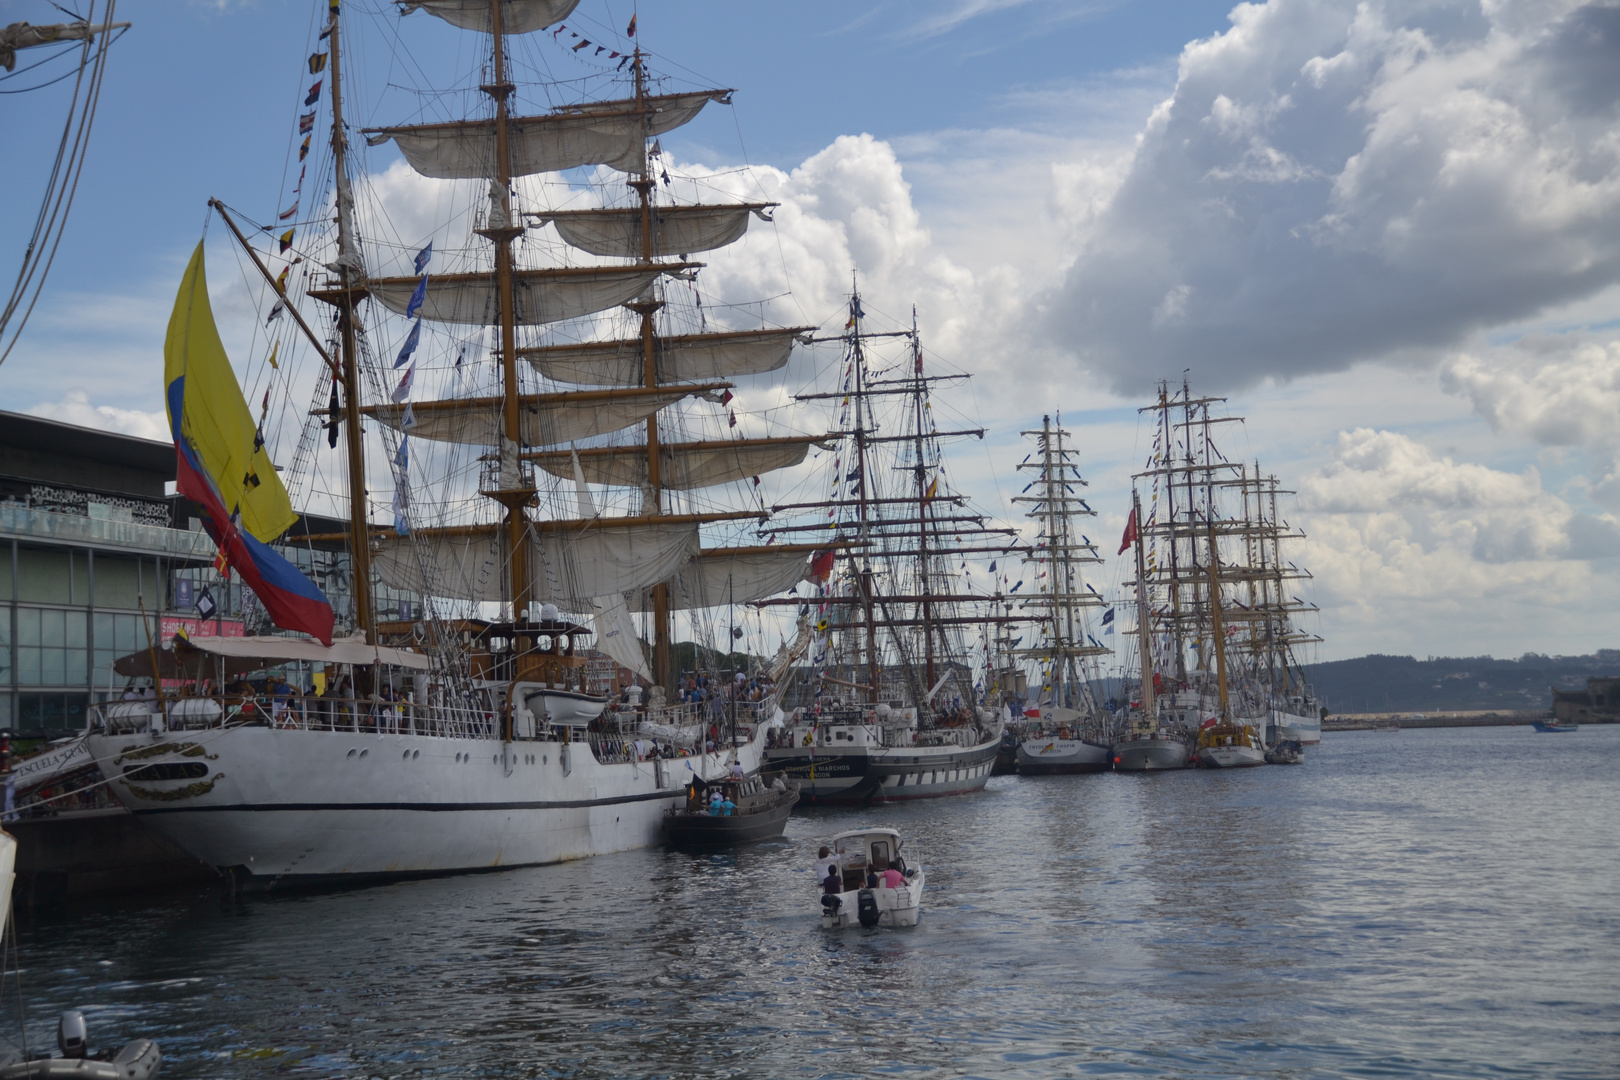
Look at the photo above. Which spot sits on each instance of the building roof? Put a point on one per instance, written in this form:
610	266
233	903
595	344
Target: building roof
27	432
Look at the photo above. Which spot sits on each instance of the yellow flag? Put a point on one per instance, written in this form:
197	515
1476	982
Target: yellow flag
206	406
273	350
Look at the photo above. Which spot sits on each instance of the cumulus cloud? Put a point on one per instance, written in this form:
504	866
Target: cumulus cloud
1334	181
1554	392
75	408
1410	548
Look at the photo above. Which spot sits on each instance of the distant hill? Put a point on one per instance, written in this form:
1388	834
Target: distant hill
1442	683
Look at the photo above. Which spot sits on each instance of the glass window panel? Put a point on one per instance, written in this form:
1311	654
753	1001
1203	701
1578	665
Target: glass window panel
75	623
53	628
73	709
5	572
103	624
5	710
42	576
28	626
76	667
52	667
28	666
5	647
118	583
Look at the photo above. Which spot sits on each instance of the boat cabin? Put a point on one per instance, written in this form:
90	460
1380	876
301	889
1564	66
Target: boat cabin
866	851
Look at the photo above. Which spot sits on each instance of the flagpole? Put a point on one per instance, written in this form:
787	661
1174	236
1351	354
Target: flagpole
265	270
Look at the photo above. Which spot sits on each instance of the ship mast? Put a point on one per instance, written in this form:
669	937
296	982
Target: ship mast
924	577
513	490
351	289
1144	621
646	306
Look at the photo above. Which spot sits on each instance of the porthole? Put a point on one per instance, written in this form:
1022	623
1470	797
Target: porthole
352	752
363	753
405	756
415	754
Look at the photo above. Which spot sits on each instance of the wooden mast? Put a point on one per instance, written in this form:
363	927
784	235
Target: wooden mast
1056	660
923	554
349	292
866	576
1215	617
501	233
646	306
1144	621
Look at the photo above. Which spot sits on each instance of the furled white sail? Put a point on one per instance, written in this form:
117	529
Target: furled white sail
682	358
615	630
676	230
682	466
612	133
538	296
547	419
517	16
571	567
730	576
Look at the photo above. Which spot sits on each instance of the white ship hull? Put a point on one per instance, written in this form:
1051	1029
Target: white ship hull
1150	753
307	804
1230	757
1052	756
1304	729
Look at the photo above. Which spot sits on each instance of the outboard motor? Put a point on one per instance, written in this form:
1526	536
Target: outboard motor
867	909
831	904
72	1035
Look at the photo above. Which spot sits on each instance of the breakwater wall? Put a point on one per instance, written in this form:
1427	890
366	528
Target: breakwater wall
1479	718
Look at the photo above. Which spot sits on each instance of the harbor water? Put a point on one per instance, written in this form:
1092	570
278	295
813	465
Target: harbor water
1421	903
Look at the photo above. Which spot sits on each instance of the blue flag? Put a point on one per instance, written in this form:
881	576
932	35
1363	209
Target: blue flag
412	339
423	257
417	298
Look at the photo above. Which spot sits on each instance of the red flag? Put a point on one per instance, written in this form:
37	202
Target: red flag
1129	538
821	566
630	31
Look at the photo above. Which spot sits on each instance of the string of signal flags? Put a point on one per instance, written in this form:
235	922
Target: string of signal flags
582	43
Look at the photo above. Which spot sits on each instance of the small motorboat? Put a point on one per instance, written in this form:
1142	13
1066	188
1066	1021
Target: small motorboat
1286	752
880	888
757	812
138	1060
1227	745
1556	725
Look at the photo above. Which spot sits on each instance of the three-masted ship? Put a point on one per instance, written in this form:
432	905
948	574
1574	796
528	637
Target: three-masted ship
470	732
892	709
1072	732
1215	623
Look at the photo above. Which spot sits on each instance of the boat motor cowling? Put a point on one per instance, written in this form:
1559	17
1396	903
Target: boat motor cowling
867	908
72	1035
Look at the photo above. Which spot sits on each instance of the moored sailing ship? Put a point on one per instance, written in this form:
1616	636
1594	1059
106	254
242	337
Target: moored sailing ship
894	713
475	735
1219	635
1072	733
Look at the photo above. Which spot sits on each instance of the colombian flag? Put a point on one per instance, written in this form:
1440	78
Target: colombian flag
218	466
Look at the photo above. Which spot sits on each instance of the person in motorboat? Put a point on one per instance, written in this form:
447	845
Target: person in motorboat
826	862
727	807
833	883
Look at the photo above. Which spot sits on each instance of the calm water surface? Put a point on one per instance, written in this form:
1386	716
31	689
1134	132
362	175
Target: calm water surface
1427	903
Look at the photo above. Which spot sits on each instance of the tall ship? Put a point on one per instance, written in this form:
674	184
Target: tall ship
891	706
508	692
1217	631
1071	733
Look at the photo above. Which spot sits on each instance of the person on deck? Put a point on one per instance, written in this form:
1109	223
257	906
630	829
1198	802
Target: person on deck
891	878
833	883
826	862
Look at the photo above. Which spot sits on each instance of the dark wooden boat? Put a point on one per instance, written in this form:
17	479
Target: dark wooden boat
761	814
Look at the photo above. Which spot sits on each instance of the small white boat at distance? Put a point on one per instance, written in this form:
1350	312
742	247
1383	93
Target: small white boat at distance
873	895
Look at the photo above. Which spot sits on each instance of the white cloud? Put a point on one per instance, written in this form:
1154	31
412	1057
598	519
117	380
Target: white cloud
1333	181
75	408
1554	391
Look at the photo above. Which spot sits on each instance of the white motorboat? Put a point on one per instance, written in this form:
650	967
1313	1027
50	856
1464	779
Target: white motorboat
866	858
1228	745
